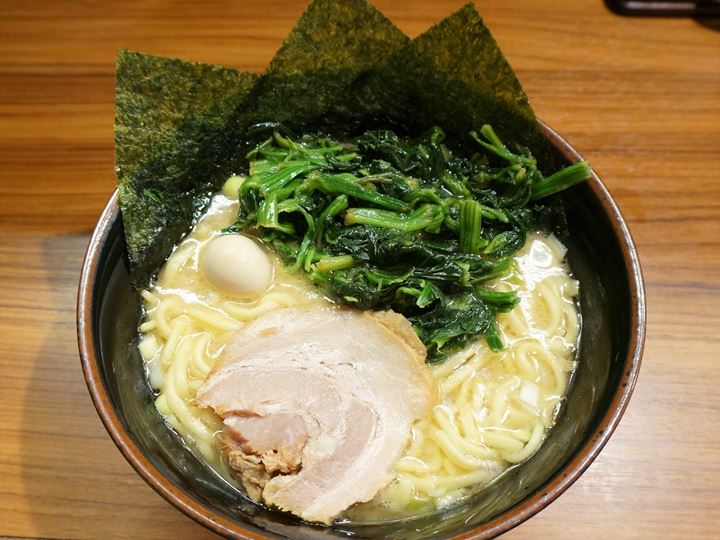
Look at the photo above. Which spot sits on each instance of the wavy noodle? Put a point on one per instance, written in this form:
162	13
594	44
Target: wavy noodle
187	325
494	408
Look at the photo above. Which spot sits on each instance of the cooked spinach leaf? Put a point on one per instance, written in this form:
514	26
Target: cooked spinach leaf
383	221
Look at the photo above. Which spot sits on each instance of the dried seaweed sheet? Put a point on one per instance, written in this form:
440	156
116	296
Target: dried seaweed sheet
172	148
455	76
314	75
181	126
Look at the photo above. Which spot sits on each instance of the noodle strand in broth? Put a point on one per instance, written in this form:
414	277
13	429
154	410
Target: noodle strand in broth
494	408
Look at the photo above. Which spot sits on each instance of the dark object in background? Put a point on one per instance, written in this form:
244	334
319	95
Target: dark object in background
666	8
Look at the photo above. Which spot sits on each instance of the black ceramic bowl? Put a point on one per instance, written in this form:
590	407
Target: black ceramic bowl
603	258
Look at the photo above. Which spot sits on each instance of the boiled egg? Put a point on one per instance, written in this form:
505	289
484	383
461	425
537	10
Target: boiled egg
235	265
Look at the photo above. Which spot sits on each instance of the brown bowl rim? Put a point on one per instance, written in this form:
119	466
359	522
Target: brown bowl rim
562	480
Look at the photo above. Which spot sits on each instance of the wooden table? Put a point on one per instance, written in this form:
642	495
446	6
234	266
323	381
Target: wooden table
640	98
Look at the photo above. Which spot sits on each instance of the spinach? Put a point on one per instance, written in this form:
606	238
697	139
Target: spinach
383	221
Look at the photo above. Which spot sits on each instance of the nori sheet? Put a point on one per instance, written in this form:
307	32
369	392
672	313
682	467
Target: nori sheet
181	126
314	75
172	148
455	76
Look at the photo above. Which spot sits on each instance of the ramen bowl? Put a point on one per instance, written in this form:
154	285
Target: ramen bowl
602	257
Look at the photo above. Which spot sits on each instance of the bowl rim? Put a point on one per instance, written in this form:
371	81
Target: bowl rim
509	519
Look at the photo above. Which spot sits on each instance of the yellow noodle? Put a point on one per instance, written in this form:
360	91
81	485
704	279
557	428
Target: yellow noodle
547	296
177	329
450	469
448	442
399	494
150	299
522	361
421	483
179	367
181	410
482	404
464	480
448	366
418	439
500	440
434	460
514	323
494	409
468	423
519	417
476	449
201	362
456	379
212	318
268	303
147	326
412	464
529	449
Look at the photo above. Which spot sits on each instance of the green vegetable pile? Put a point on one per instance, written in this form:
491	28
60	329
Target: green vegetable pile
182	128
415	222
389	222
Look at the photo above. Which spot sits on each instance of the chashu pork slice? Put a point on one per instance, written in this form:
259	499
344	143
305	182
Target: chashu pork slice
318	405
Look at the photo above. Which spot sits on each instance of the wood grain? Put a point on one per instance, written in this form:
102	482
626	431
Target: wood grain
640	98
